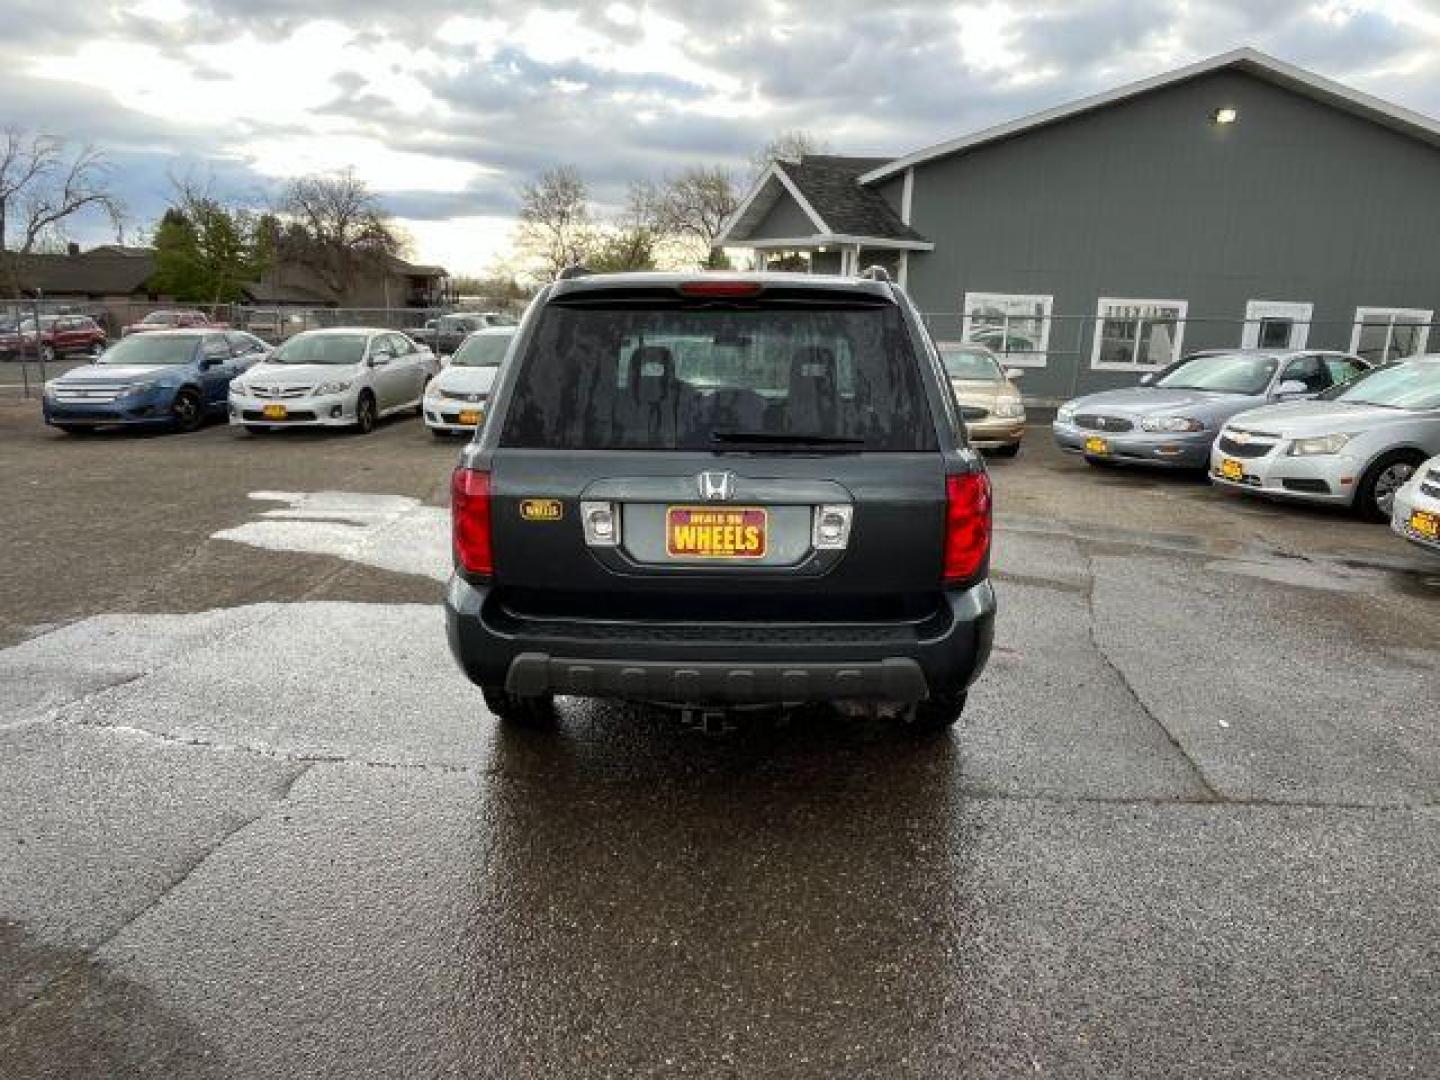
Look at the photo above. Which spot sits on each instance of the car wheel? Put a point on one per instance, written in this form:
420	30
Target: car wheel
365	413
1375	495
935	713
187	412
1007	451
527	712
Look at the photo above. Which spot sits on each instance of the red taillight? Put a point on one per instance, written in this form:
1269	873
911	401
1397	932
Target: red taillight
967	525
470	520
720	288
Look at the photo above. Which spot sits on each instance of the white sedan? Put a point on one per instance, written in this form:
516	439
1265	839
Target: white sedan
349	377
457	400
1417	507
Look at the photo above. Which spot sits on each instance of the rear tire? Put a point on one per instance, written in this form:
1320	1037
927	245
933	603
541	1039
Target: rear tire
525	712
1375	494
935	713
187	412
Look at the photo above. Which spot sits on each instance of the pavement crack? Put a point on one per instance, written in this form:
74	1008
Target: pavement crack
1213	794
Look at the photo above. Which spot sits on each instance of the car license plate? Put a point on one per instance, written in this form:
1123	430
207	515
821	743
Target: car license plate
1096	445
1426	524
471	416
702	532
275	412
1231	469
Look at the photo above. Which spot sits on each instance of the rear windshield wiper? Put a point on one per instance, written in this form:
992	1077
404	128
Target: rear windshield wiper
782	438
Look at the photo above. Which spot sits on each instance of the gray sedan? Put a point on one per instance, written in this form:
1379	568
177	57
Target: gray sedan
1356	446
1172	418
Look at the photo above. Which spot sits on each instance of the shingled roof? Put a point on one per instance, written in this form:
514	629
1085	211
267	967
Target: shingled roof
86	274
831	185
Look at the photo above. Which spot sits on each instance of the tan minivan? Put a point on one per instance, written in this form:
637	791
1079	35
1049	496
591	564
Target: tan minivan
989	401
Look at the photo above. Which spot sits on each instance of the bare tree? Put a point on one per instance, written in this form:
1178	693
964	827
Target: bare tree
337	228
41	187
693	207
786	146
556	227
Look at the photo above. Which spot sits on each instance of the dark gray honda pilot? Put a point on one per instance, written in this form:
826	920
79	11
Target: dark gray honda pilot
714	491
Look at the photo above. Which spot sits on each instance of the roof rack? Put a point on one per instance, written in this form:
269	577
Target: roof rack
877	273
573	271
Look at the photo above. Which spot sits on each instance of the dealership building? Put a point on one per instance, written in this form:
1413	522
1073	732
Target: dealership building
1240	201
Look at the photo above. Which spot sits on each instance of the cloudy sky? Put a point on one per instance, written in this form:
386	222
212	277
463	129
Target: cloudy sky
446	107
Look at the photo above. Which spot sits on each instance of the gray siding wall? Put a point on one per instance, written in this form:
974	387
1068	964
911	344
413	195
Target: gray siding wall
1296	201
784	221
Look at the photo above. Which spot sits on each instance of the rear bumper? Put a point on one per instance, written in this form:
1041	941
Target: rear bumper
722	663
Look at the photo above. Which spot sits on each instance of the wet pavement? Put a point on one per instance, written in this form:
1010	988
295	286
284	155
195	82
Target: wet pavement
254	824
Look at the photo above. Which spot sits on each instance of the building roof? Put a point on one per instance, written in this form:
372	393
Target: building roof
845	208
86	274
274	292
827	190
1250	61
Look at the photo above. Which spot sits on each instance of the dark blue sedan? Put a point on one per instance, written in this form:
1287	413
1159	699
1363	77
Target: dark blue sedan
168	378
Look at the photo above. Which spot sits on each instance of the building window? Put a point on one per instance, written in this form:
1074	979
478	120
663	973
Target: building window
1015	327
1381	334
1137	335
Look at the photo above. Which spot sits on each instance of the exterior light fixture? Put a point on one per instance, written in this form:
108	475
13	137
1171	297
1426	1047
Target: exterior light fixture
1225	115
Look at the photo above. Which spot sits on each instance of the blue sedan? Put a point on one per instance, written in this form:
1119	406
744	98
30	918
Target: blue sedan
169	378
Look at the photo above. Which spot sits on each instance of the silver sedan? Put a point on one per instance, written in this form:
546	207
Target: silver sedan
1354	446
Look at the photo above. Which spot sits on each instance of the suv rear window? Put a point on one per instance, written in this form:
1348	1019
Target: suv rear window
603	377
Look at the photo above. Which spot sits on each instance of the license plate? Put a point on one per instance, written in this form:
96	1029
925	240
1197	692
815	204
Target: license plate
471	416
1426	524
1231	469
696	532
1096	445
275	412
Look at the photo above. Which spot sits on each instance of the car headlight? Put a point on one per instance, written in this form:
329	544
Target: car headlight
1012	409
1065	414
1170	423
1320	444
331	388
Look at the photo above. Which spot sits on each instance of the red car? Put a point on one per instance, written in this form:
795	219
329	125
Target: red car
60	335
183	319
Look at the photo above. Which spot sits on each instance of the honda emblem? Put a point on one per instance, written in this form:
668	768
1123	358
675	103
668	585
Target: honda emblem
716	486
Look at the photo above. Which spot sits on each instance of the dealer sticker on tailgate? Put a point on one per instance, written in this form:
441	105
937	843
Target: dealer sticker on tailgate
695	532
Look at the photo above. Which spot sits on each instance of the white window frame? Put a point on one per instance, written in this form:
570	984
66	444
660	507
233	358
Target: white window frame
1042	352
1365	316
1100	318
1301	314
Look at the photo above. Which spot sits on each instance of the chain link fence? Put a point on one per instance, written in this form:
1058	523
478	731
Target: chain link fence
1061	357
27	360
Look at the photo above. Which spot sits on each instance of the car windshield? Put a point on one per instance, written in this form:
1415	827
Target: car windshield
971	365
1402	386
160	318
152	349
322	349
827	375
482	350
1225	373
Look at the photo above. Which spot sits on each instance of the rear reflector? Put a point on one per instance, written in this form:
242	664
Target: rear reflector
470	521
967	525
720	288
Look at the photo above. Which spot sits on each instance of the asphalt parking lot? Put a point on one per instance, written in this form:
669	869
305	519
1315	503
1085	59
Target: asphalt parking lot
253	823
